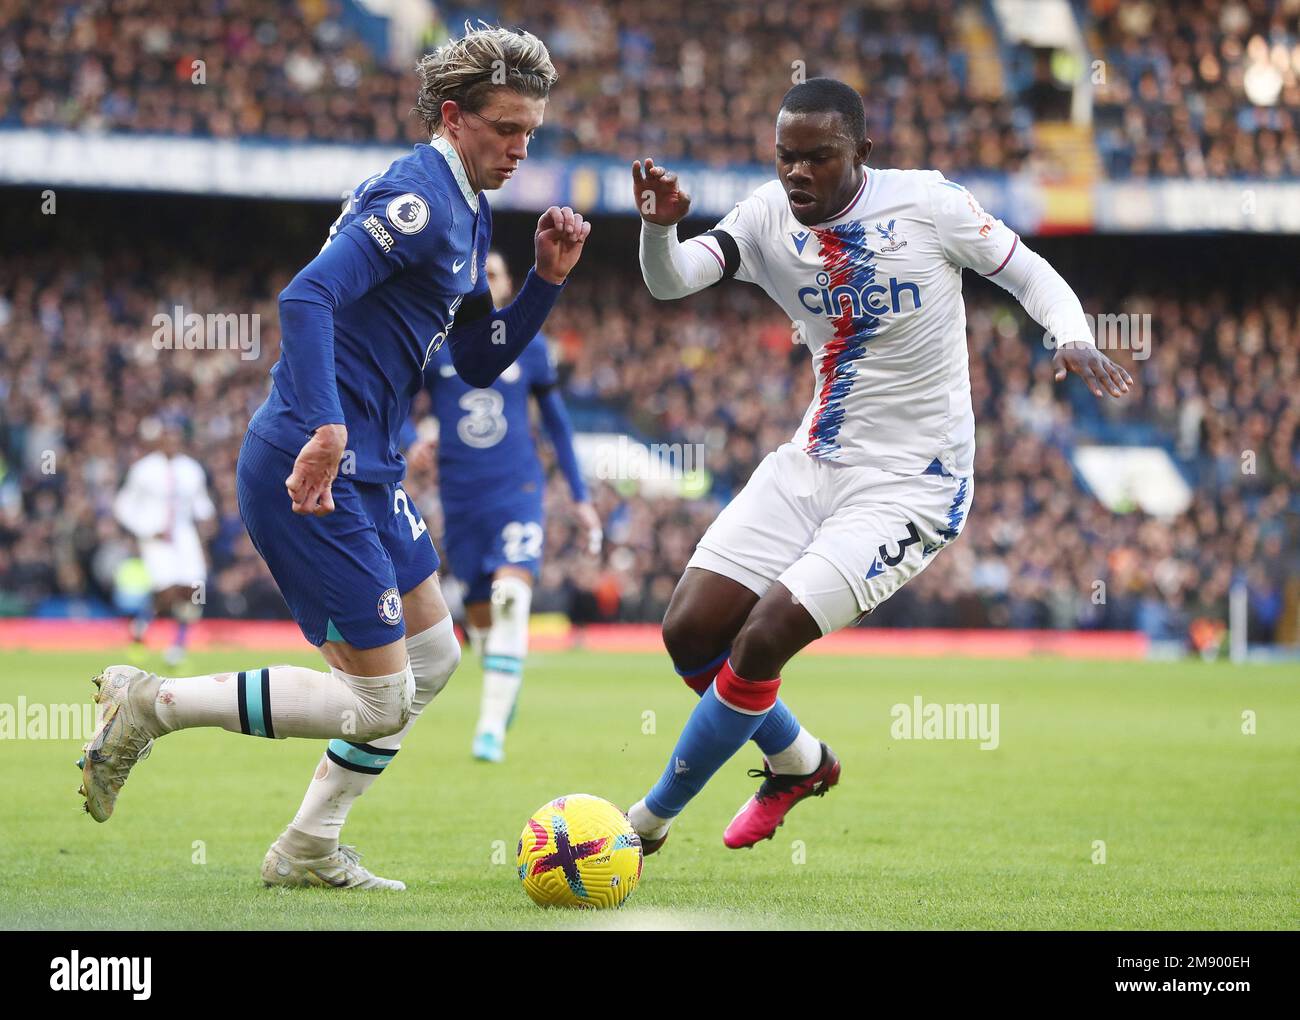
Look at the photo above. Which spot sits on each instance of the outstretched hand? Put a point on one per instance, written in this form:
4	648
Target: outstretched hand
658	194
1100	373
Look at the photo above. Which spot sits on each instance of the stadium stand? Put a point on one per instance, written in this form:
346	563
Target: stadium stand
1203	91
79	372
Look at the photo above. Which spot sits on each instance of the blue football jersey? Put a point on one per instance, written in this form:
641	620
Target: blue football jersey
423	237
472	422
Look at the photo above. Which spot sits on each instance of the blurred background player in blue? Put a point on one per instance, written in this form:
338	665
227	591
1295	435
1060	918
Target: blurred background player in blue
492	504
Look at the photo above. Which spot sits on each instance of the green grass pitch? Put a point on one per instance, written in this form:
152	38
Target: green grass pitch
1200	821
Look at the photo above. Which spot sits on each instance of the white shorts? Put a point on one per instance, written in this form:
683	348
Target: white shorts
178	562
842	539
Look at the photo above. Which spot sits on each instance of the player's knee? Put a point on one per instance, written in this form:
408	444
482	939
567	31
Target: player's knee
383	703
435	654
686	637
768	639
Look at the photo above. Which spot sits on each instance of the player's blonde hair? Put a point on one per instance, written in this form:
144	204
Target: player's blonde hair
466	70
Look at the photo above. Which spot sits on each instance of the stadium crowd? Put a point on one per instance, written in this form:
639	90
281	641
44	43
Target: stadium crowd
1207	90
80	371
1204	90
289	69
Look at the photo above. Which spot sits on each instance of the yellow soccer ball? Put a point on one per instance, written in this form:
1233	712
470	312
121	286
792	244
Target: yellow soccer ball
579	851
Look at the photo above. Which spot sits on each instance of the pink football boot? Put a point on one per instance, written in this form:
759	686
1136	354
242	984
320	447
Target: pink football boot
765	812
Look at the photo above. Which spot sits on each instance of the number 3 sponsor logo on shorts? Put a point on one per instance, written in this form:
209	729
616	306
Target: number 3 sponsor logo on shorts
885	559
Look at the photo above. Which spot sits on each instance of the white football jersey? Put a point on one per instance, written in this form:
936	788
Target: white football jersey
875	293
163	497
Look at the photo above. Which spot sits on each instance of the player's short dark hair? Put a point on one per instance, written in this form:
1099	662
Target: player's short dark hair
828	95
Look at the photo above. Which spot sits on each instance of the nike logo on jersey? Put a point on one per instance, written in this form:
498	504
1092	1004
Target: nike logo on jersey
458	265
447	371
799	239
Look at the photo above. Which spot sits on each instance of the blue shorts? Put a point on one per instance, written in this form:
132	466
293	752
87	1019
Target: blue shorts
342	575
481	541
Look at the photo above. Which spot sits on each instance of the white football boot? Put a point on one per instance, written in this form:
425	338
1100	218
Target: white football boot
339	870
125	728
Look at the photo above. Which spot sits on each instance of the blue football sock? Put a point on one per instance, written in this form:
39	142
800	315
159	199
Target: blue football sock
779	729
780	726
712	734
182	632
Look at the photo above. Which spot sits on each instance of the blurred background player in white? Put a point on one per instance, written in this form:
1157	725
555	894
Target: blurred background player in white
878	478
164	496
492	504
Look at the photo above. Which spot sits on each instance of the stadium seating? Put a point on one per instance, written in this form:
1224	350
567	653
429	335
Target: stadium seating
1224	377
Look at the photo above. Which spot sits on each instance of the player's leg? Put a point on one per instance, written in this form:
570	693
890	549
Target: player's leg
189	573
498	554
156	554
368	700
704	616
323	565
731	710
760	533
307	852
813	599
505	646
886	531
140	621
478	619
178	602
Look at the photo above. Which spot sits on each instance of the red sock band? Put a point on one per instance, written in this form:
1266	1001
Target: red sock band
752	696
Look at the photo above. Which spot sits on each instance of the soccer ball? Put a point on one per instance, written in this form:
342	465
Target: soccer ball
579	851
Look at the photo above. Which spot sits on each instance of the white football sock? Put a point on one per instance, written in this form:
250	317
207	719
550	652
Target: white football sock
434	654
800	758
500	691
477	636
648	825
504	650
288	701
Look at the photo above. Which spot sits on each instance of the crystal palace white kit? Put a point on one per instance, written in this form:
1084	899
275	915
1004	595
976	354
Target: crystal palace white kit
159	503
878	476
876	294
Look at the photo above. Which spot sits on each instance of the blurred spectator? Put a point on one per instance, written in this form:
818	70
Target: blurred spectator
1203	90
704	87
78	372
